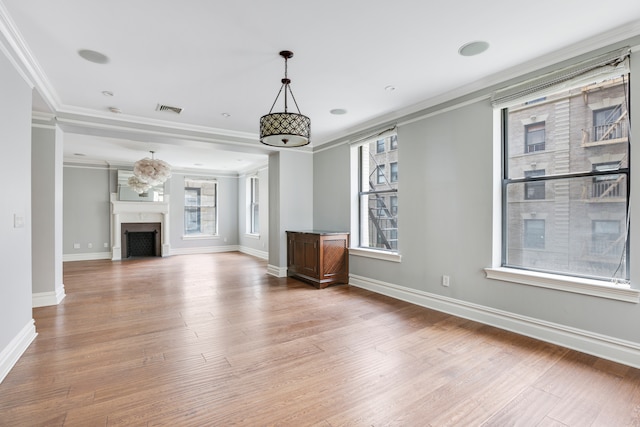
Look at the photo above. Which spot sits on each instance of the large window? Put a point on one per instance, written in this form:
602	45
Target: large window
200	207
569	216
253	207
378	195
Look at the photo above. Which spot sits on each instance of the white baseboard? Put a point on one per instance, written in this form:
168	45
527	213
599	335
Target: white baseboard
274	270
204	250
603	346
86	256
254	252
18	345
44	299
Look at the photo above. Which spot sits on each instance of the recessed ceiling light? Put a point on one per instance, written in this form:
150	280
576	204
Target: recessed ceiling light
93	56
338	111
225	115
79	154
390	88
107	93
115	110
473	48
197	164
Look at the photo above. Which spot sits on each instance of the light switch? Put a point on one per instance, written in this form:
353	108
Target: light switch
18	221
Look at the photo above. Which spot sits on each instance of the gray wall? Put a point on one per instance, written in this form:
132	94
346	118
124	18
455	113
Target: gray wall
331	192
86	209
15	251
46	200
445	219
290	200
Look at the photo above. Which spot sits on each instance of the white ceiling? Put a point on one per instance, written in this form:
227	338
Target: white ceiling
214	57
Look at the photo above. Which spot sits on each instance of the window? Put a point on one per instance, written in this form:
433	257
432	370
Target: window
534	190
200	210
534	233
380	176
393	142
606	186
377	197
607	124
253	207
380	146
606	238
534	137
394	171
578	227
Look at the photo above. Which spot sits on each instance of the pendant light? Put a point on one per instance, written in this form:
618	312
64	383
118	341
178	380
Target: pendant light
285	129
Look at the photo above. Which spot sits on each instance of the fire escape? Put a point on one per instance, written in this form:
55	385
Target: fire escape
382	218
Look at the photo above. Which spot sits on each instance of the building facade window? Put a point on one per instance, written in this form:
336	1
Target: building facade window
607	124
534	190
253	205
534	137
380	146
394	171
380	175
606	186
562	219
393	142
534	233
200	207
607	238
377	196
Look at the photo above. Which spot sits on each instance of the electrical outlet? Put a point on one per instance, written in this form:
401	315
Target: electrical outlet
106	245
76	246
90	245
445	280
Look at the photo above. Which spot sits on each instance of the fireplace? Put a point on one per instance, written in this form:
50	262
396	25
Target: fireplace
150	219
140	239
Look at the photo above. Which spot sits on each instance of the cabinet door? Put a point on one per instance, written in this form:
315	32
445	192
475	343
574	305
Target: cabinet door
305	254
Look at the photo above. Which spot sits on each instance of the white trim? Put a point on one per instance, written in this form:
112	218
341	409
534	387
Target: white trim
252	236
254	252
86	256
620	291
372	253
603	346
274	270
45	299
204	250
200	237
16	348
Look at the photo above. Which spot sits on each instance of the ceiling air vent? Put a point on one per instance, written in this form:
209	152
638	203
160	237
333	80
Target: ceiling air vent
169	108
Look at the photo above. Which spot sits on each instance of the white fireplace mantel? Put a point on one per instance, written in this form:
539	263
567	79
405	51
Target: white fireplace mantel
124	212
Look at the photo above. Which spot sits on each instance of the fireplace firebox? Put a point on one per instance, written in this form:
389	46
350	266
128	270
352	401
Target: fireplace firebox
141	239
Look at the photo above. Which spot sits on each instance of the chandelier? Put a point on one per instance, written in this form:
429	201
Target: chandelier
147	173
285	129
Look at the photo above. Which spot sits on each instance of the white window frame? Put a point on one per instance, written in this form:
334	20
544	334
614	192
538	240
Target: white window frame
392	256
253	204
614	289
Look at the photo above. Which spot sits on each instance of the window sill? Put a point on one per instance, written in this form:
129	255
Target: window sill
252	236
200	237
597	288
371	253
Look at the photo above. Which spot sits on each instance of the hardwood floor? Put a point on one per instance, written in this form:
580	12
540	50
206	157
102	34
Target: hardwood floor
212	340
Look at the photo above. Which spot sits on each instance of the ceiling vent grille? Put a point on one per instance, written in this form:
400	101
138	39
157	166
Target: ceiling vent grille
162	107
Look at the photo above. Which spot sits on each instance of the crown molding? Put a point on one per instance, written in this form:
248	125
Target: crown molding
15	48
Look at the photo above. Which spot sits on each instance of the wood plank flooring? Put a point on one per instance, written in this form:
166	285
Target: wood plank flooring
212	340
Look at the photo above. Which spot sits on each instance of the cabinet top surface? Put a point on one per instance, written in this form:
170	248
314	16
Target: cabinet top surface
320	232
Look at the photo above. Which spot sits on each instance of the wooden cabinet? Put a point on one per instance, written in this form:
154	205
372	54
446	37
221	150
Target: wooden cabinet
318	257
